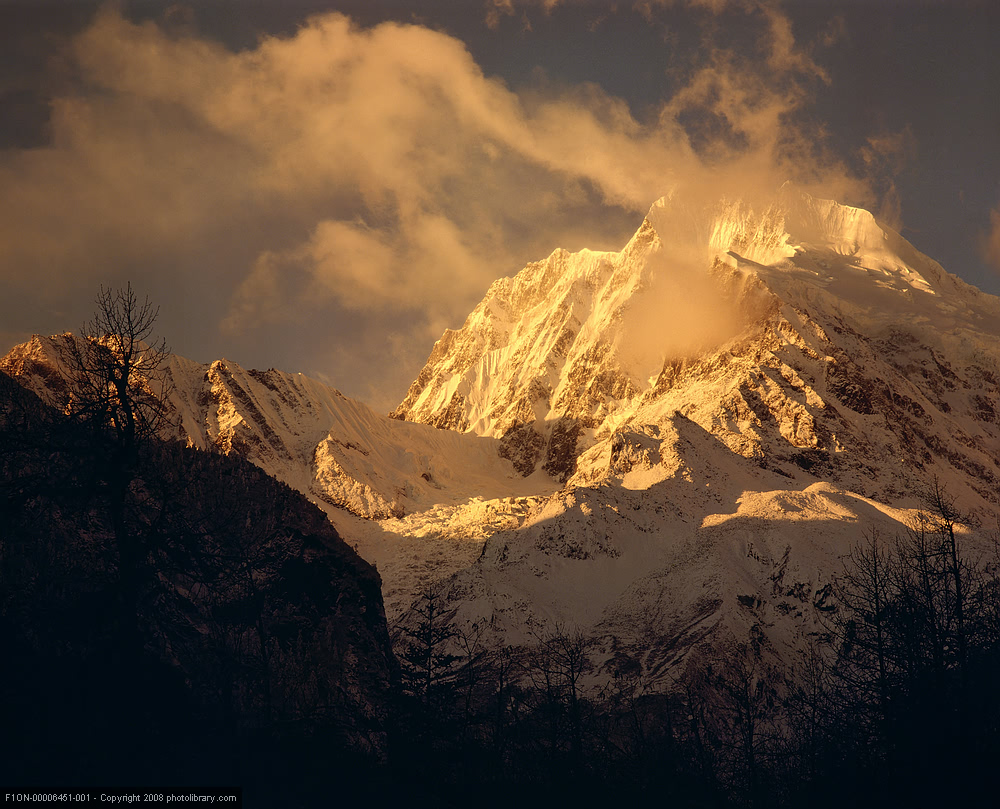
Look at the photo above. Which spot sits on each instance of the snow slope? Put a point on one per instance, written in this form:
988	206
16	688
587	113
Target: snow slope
731	401
374	476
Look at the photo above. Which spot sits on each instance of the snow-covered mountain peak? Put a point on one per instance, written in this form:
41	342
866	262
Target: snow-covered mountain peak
773	229
843	260
755	231
761	322
820	255
729	402
826	223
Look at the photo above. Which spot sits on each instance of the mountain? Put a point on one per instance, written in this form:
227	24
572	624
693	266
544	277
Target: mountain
808	293
294	428
729	402
668	444
392	488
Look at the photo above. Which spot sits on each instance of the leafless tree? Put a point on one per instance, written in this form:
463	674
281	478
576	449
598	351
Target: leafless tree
119	387
557	666
119	381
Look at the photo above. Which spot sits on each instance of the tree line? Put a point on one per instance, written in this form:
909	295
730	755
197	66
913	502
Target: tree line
895	703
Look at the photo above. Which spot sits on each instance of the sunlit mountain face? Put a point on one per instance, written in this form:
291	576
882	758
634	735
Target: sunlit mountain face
734	392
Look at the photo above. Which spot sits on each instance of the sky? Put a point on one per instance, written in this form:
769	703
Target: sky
325	187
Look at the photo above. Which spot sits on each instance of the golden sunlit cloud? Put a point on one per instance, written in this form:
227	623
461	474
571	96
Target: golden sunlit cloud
373	170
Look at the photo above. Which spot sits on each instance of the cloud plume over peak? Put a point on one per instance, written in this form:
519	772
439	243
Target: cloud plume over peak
374	177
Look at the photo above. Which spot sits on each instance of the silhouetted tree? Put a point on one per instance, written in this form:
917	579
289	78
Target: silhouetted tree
119	383
556	667
427	657
812	711
865	592
118	389
747	707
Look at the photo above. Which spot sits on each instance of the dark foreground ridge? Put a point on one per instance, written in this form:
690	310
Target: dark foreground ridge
256	653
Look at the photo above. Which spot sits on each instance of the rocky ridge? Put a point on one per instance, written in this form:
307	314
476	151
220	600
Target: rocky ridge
298	430
417	501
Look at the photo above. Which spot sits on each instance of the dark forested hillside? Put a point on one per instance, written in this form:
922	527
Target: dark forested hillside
250	648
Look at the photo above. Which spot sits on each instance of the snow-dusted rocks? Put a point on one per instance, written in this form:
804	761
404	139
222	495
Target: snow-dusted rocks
417	501
334	449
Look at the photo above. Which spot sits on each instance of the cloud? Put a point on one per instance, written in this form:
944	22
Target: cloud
680	312
372	177
497	10
885	155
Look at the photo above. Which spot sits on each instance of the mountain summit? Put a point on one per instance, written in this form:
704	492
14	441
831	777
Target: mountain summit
794	334
729	402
